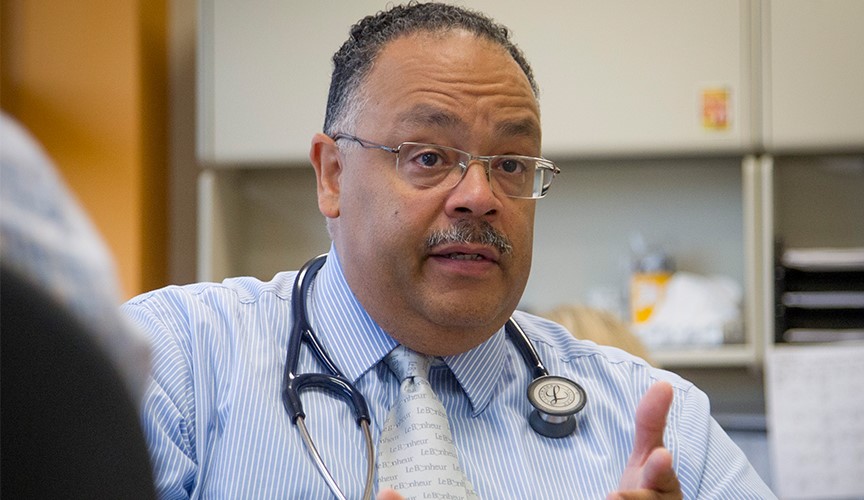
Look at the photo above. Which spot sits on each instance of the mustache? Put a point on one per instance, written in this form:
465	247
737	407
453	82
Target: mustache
466	231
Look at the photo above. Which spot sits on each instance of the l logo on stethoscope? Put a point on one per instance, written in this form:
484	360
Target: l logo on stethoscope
551	394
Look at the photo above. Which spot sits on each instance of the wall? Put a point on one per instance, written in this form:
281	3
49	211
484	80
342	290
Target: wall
88	78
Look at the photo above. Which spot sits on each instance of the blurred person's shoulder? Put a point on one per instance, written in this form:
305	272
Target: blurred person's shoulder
47	238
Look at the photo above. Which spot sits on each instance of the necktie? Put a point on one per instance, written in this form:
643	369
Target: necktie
416	454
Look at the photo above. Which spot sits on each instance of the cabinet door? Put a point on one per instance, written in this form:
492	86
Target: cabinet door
637	78
814	75
616	77
263	73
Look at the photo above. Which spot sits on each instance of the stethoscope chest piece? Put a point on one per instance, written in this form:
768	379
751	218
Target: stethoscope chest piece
556	400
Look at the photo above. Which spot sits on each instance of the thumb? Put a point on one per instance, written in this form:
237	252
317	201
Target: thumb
389	494
651	420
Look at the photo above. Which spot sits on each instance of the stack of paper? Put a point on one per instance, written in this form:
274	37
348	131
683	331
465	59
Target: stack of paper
815	425
824	259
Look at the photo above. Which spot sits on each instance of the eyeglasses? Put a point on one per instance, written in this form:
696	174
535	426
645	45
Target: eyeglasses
430	165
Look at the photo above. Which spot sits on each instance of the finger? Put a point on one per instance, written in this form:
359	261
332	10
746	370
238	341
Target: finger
658	480
651	420
658	474
389	494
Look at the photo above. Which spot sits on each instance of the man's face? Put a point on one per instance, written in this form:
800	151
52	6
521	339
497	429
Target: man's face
454	90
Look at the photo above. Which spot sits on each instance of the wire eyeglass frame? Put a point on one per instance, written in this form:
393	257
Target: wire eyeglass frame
530	179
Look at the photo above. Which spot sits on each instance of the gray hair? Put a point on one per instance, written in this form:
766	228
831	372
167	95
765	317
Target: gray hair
470	231
353	61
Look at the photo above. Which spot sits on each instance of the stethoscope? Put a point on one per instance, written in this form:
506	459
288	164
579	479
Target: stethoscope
555	399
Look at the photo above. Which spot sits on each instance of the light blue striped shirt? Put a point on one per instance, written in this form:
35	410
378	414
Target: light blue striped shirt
216	426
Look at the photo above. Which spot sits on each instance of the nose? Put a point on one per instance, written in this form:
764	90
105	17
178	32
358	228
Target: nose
473	194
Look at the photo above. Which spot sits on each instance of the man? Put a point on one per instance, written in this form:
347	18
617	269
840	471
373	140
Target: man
431	250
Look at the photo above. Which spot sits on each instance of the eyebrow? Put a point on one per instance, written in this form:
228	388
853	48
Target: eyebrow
525	127
424	115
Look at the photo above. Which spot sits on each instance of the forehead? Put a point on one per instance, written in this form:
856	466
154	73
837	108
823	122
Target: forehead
448	80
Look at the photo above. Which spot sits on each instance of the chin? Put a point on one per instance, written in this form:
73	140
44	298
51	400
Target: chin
469	318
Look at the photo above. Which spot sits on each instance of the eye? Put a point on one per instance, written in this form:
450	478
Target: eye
511	165
428	156
429	159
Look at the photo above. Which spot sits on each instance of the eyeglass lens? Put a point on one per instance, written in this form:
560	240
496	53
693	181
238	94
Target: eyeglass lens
431	165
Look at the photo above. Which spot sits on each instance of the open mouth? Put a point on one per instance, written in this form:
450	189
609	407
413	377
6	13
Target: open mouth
464	256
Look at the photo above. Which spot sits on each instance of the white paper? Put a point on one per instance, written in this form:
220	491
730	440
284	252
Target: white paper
815	402
824	300
824	258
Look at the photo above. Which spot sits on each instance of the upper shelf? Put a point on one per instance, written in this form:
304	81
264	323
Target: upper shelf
721	356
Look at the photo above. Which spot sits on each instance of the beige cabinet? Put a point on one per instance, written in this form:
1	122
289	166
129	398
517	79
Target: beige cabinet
637	78
813	71
620	77
263	73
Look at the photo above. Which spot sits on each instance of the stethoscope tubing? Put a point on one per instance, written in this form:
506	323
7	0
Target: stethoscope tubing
322	467
525	348
293	383
550	424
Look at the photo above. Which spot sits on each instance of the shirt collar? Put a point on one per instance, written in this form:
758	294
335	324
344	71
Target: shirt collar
357	343
479	370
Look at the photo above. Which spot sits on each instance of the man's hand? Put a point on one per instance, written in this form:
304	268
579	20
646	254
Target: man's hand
388	494
649	472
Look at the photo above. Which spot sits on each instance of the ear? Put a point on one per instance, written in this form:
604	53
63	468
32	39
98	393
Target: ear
325	159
